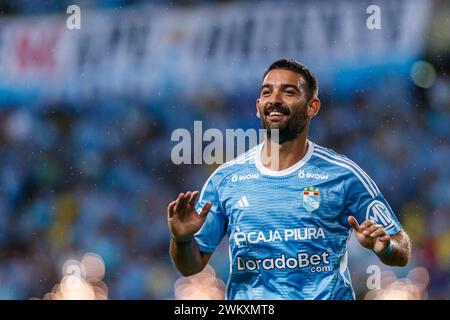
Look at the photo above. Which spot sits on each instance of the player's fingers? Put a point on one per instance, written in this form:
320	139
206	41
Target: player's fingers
378	233
183	202
366	224
177	209
180	196
354	223
371	229
205	210
193	198
385	238
170	208
186	199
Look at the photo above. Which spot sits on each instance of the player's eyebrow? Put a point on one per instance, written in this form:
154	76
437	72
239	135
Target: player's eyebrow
265	86
283	86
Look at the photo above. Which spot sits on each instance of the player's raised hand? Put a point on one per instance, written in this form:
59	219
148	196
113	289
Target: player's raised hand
370	235
183	219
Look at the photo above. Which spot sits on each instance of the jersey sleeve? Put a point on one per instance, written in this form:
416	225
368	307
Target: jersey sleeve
365	201
216	223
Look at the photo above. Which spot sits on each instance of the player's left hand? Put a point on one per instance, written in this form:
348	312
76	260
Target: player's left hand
370	235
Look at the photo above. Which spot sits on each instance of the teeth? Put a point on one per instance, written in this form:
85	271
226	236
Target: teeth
274	113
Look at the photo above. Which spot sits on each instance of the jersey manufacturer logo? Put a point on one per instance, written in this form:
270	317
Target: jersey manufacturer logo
243	202
311	198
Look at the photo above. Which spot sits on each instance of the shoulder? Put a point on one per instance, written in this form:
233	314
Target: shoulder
344	167
330	159
239	163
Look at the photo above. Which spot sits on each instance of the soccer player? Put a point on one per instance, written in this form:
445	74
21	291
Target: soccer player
288	221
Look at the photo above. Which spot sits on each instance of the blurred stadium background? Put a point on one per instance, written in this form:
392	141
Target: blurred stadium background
86	118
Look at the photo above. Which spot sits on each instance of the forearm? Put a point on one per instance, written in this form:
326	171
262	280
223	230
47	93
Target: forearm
186	257
401	251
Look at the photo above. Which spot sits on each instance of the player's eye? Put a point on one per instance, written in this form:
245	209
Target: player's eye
265	92
290	92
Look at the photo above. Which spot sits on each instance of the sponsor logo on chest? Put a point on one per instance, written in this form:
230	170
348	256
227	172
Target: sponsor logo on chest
302	174
243	177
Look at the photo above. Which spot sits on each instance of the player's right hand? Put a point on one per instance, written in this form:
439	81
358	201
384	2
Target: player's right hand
183	219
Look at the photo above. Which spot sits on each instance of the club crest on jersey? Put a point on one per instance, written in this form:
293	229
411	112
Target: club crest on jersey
311	198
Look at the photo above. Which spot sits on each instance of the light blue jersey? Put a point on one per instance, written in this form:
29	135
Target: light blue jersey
288	230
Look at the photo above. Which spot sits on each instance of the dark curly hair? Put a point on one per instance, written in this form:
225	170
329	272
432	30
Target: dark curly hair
292	65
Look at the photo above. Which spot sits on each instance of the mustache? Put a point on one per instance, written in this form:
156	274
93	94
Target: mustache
277	108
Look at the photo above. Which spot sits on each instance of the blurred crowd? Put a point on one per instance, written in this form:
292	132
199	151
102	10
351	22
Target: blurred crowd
97	177
24	7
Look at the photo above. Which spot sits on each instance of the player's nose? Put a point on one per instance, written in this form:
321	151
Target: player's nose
275	98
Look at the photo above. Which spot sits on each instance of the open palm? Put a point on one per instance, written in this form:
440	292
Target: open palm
183	219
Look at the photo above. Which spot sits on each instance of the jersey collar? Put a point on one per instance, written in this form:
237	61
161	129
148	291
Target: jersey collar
286	171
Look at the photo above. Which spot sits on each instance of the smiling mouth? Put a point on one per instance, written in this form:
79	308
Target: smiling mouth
276	116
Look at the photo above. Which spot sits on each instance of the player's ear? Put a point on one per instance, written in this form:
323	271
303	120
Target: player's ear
257	108
314	107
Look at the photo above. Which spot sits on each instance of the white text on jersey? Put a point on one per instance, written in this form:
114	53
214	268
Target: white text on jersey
241	177
317	262
311	175
278	235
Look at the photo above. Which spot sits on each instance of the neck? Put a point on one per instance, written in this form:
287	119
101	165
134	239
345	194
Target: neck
279	157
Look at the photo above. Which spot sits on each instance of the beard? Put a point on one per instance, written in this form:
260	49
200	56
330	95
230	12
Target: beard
289	128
